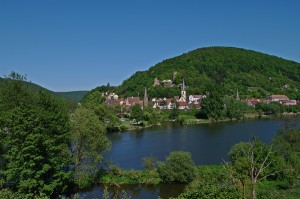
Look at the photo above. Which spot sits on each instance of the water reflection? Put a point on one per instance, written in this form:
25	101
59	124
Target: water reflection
135	191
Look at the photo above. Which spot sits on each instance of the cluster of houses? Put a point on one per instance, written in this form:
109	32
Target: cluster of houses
282	99
183	102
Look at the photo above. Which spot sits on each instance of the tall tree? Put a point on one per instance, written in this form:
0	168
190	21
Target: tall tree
88	141
254	160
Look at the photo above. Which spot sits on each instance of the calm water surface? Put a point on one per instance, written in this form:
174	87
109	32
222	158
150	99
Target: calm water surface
208	143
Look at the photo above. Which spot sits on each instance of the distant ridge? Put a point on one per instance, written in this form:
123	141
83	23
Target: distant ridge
69	95
253	73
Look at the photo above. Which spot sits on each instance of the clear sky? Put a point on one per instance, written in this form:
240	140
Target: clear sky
68	45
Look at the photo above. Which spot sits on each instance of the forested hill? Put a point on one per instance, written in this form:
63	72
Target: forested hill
254	74
70	95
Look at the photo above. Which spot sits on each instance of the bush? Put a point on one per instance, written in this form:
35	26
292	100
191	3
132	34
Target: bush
178	167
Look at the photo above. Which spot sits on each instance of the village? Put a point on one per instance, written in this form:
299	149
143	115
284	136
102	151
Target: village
185	102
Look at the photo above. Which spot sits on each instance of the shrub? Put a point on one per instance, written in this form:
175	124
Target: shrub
178	167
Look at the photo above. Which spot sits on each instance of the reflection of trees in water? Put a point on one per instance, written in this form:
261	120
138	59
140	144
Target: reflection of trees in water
133	190
118	191
170	190
289	123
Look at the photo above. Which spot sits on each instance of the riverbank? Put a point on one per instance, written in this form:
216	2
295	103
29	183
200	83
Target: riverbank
130	181
127	126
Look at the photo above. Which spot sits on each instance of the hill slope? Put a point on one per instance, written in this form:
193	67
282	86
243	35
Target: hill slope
71	95
254	74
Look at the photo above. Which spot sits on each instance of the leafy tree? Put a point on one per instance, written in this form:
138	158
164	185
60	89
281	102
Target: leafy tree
174	113
206	190
16	76
213	104
137	112
274	108
88	142
149	163
255	161
178	167
287	145
93	98
35	139
235	109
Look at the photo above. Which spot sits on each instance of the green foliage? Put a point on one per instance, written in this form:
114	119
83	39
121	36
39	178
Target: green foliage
254	161
137	112
273	108
235	109
233	68
34	129
200	189
178	167
211	183
213	104
106	114
88	142
174	113
117	175
149	163
287	145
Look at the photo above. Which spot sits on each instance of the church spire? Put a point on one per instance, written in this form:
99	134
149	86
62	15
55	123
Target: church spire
145	98
183	88
183	92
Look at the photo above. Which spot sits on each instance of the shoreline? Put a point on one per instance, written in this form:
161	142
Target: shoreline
246	117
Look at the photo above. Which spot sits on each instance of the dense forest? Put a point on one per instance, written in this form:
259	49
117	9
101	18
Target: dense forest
254	74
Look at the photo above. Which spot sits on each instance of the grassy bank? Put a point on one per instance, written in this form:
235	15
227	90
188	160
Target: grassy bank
116	175
205	173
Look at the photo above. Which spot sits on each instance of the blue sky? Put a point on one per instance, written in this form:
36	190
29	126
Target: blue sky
68	45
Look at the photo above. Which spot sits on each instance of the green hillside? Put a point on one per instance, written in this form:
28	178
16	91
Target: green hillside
71	95
254	74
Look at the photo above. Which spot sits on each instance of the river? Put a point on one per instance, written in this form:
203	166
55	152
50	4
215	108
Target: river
208	143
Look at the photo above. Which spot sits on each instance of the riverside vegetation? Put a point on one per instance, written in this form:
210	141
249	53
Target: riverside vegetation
47	150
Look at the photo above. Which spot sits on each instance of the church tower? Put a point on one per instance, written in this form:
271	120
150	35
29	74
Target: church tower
183	92
145	102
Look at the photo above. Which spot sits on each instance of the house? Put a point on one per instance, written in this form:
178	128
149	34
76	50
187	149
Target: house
289	102
169	104
131	101
182	105
277	98
111	102
194	98
253	101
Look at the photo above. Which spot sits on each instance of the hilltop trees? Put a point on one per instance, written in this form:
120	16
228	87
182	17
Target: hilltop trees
254	74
